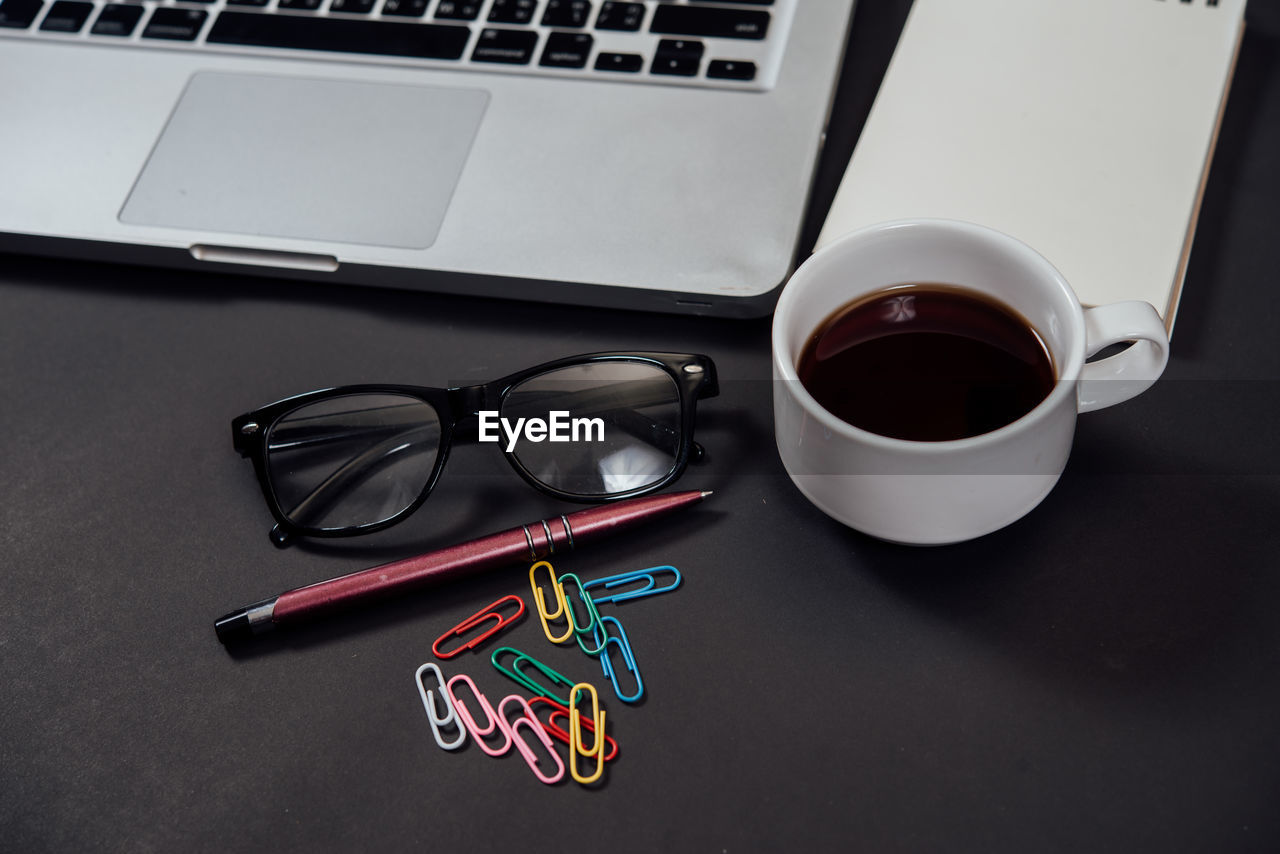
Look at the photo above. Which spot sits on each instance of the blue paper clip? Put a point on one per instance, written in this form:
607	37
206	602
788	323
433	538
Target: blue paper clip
618	637
428	696
650	589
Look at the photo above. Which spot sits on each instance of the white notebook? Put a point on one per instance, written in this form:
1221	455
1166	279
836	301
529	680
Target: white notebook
1082	127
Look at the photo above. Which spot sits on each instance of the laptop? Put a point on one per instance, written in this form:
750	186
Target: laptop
645	155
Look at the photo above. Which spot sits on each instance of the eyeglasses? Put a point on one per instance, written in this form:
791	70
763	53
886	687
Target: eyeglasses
357	459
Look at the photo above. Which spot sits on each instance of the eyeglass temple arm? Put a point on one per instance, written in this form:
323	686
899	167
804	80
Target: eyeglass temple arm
360	466
322	430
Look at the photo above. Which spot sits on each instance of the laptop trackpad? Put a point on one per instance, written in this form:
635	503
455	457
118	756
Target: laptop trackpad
328	160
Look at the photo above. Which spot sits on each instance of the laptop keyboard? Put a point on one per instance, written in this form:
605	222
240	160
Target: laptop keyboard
723	43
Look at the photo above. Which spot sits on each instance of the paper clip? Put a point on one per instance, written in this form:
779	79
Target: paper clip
619	639
528	719
495	722
429	703
576	748
561	734
650	589
521	679
486	613
540	602
590	627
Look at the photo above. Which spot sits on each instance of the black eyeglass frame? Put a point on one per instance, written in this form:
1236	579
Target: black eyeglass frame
694	376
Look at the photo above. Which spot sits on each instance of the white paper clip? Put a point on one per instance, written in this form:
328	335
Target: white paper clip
439	722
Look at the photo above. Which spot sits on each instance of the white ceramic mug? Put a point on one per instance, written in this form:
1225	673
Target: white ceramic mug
945	492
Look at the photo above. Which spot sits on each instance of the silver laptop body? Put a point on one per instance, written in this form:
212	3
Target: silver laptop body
545	149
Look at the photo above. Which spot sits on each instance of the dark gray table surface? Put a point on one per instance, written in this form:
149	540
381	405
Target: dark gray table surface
1102	675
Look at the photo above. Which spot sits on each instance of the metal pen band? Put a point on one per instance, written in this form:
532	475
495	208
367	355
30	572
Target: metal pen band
533	553
551	544
568	532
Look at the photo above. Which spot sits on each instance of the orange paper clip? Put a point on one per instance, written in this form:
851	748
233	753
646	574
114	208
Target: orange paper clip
489	612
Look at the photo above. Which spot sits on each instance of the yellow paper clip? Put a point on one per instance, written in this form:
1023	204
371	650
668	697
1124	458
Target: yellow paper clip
540	602
575	733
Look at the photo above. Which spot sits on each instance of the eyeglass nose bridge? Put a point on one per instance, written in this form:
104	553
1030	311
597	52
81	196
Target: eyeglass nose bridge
467	401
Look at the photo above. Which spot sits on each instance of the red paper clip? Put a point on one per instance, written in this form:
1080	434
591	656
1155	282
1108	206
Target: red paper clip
485	614
562	735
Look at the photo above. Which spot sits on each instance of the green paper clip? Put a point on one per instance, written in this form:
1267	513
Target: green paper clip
589	630
519	678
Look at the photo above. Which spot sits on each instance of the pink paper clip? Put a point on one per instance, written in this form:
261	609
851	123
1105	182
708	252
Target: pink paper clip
491	611
469	723
527	719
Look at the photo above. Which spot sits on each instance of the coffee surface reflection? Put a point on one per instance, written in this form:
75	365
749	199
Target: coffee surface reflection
926	363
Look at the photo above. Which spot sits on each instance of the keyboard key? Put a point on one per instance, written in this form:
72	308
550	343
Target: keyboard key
711	21
181	25
619	16
301	32
731	69
566	13
458	10
566	50
18	14
352	7
512	11
628	62
116	19
512	47
247	2
405	8
678	57
66	16
299	5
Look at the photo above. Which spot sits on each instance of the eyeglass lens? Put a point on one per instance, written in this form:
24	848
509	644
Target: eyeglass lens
621	421
354	460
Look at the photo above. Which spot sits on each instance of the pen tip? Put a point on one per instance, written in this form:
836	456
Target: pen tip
706	492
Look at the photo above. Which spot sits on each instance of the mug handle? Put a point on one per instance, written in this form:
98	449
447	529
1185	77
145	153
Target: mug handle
1128	373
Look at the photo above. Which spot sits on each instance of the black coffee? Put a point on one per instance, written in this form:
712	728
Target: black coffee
926	363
